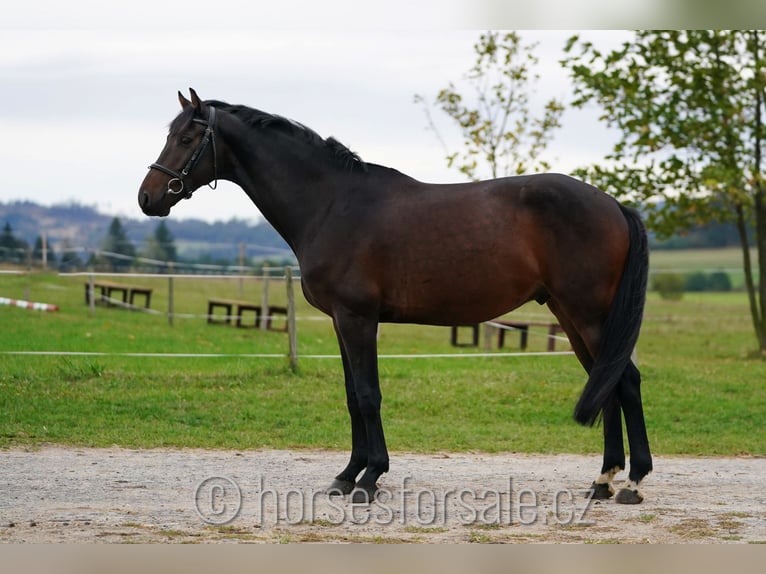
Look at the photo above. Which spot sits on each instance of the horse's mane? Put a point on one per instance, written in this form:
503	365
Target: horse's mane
258	119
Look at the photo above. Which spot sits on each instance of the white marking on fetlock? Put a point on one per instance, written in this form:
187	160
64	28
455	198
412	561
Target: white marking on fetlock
630	485
607	478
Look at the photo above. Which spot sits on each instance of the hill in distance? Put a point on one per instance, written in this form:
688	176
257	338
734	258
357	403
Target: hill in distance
83	226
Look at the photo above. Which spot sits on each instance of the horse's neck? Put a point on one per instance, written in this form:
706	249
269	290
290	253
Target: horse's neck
293	198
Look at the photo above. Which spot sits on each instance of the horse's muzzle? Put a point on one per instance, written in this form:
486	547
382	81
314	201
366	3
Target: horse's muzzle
149	207
143	199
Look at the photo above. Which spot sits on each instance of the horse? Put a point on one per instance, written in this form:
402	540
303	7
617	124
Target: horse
375	245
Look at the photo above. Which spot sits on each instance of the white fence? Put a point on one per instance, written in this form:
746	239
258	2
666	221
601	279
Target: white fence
286	274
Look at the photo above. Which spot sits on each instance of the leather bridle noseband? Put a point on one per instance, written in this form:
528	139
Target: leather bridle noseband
208	138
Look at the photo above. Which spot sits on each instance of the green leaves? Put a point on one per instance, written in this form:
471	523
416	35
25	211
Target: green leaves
689	104
501	136
683	98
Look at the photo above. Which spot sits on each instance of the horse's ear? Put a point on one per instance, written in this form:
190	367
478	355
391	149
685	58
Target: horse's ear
184	102
195	101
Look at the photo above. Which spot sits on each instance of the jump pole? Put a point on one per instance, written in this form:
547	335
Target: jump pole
28	304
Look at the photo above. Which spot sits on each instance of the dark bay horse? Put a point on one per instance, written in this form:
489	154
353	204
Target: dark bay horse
375	245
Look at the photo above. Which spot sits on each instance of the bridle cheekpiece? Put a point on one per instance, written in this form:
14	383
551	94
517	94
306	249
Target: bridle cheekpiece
178	177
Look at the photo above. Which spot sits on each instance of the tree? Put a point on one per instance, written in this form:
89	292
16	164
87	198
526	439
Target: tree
166	241
690	108
11	248
7	241
497	125
119	249
161	245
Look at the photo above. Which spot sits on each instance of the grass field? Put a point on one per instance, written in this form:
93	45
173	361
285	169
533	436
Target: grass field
703	391
698	259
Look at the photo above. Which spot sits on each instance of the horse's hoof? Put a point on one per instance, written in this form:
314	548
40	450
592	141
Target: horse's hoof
629	496
340	487
601	491
362	495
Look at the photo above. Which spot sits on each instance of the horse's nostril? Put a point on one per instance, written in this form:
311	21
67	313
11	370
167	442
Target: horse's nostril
143	199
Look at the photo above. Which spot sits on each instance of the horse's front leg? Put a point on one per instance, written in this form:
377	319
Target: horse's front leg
344	483
357	338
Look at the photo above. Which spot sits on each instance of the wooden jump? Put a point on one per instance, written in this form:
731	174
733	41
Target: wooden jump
234	309
127	292
521	326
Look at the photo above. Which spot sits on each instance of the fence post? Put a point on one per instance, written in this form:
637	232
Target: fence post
265	298
241	269
171	306
291	334
488	332
92	294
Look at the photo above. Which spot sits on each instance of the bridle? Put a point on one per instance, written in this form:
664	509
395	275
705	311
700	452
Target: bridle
178	177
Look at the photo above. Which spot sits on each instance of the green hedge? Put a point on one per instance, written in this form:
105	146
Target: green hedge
673	285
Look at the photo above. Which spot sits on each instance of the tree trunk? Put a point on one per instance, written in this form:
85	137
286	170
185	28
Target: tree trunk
759	206
747	265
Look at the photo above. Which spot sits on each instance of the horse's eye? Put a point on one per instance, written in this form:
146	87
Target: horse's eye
186	140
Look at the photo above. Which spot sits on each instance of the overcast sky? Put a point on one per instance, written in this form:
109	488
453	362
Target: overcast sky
84	111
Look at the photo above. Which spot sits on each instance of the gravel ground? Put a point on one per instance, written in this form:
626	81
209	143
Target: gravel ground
56	494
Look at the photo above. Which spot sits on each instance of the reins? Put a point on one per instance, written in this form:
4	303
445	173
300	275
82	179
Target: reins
207	139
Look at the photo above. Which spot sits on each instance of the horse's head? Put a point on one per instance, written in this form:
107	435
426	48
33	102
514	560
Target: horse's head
187	162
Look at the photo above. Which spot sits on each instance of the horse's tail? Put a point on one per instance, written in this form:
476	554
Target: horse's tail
620	332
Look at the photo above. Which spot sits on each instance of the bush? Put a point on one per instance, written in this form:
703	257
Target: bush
696	282
718	281
669	285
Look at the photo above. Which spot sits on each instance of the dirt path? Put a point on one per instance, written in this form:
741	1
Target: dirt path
113	495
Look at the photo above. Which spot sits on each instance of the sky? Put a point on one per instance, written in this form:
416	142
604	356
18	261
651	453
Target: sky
85	104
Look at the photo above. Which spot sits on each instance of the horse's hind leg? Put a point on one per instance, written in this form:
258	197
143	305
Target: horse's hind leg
614	449
629	392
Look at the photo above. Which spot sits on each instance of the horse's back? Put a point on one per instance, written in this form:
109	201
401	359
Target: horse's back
449	253
452	253
540	211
